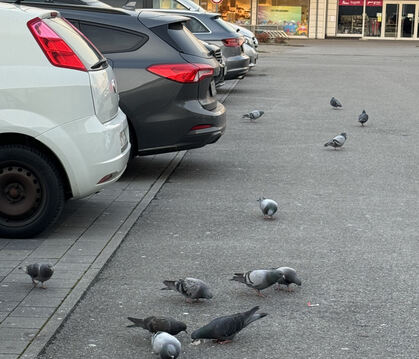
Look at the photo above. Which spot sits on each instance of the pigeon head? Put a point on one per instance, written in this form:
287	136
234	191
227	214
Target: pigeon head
261	112
291	277
260	199
180	327
343	134
200	333
206	293
169	351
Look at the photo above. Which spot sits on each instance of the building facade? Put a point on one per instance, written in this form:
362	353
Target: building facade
369	19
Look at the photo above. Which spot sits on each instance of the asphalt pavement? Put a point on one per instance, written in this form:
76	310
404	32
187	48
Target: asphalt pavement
347	220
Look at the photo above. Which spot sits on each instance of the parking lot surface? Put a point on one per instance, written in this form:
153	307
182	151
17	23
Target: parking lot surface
347	219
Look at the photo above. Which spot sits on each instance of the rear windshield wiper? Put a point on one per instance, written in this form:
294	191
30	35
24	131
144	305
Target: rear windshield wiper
98	64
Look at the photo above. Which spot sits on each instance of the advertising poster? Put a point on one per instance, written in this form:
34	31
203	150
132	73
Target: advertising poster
288	18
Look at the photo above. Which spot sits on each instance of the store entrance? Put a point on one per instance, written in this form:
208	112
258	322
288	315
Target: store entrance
400	20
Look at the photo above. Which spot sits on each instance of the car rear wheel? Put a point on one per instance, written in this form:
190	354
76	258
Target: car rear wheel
31	191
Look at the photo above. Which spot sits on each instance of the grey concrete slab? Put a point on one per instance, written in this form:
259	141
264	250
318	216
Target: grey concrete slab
23	322
8	356
3	315
347	219
32	312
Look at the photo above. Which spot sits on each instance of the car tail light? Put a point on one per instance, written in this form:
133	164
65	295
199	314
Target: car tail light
200	127
54	47
185	73
233	42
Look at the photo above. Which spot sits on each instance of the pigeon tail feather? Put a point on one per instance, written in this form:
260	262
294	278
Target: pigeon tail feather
170	285
137	322
239	277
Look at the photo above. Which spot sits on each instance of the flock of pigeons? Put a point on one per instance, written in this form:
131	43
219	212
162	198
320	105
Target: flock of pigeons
339	140
221	329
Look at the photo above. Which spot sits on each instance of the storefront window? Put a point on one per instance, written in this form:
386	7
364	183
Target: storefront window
236	11
350	17
290	16
373	18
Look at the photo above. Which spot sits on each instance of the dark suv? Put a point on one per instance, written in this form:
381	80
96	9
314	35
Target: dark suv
165	76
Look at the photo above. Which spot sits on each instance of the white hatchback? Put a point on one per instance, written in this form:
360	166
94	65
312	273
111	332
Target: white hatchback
62	133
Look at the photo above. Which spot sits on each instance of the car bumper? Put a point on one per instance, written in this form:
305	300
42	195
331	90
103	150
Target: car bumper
92	153
194	115
252	53
237	66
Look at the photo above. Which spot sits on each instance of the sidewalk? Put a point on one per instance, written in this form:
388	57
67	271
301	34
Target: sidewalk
87	235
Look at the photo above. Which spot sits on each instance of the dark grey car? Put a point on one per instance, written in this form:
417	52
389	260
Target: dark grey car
211	28
165	75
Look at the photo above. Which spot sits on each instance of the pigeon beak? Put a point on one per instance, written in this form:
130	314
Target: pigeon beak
186	331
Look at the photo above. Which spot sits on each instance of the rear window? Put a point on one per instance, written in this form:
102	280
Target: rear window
179	37
195	26
86	52
168	4
224	24
110	39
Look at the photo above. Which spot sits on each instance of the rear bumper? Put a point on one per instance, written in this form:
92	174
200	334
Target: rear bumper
237	66
89	151
194	115
252	53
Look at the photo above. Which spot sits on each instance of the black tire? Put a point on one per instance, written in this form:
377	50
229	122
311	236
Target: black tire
31	191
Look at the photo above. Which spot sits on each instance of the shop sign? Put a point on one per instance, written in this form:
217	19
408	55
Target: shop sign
360	3
216	1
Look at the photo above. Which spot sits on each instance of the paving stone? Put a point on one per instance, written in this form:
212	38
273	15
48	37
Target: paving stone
8	305
8	264
32	312
23	322
61	266
3	315
9	356
9	254
25	244
36	300
49	251
77	259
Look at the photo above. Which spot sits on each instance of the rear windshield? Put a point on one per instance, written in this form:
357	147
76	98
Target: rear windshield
87	53
224	24
179	37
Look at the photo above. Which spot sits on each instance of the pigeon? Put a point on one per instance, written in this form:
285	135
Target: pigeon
363	117
289	276
337	141
166	345
159	324
39	272
335	103
268	207
224	329
191	288
258	279
255	114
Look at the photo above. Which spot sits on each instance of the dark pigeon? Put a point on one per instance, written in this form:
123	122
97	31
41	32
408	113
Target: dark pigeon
335	103
39	272
165	345
224	329
159	324
289	276
258	279
255	114
363	118
337	141
191	288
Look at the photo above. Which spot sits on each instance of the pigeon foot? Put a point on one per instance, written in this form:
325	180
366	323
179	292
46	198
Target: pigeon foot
260	294
220	341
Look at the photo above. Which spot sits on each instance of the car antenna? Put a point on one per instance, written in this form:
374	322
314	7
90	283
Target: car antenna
130	5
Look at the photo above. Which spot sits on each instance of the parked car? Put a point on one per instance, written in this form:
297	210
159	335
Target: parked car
164	73
215	51
62	134
211	28
250	43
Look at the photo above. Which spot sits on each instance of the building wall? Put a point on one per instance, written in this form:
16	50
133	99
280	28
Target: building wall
332	18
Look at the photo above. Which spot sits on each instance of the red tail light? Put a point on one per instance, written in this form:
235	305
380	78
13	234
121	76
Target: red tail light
54	47
185	73
233	42
200	127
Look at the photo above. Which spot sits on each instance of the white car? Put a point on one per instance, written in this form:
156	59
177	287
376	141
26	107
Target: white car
62	134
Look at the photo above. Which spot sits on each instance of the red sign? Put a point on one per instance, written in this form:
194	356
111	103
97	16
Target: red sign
360	3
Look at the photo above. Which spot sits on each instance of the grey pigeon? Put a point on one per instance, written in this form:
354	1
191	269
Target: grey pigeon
159	324
258	279
224	329
268	206
337	141
255	114
39	272
335	103
191	288
289	276
165	345
363	117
